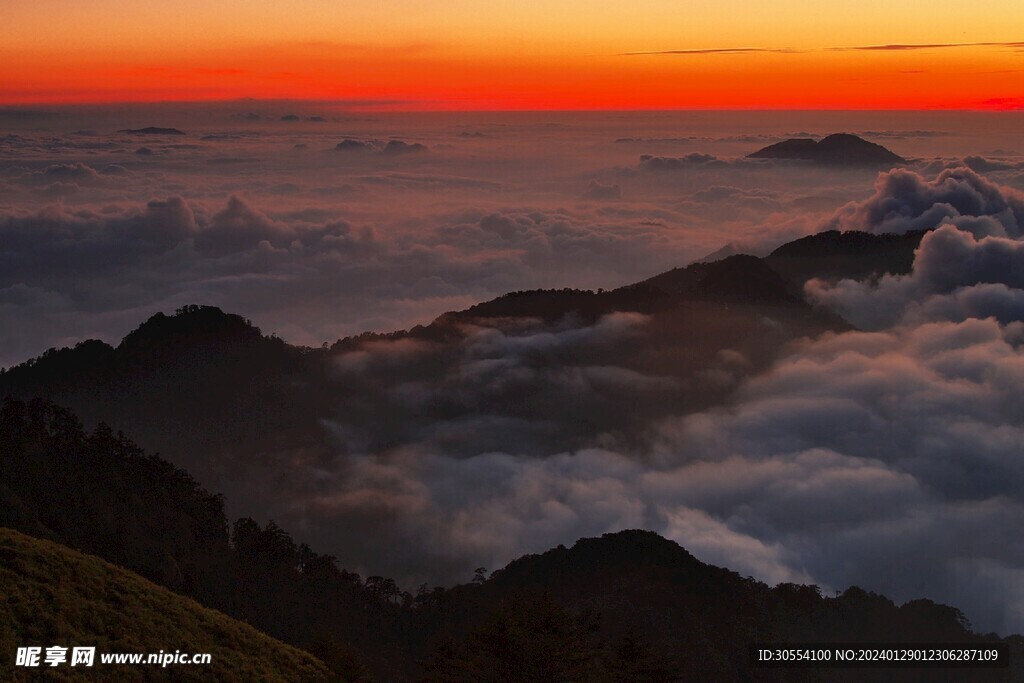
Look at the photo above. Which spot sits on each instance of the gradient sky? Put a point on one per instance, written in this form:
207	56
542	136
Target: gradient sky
527	54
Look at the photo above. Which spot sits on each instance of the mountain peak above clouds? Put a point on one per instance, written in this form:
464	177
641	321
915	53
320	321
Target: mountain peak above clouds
843	149
152	130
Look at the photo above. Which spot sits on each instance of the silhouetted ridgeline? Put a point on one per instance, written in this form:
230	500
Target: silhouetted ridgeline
834	255
205	388
213	395
634	590
624	607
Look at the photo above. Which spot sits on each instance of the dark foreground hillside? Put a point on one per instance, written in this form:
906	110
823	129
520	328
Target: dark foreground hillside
629	606
99	493
57	596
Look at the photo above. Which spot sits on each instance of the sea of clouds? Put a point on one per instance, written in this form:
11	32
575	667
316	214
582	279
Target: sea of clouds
888	456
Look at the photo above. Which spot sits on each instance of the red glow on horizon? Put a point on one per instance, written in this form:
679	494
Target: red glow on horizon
962	79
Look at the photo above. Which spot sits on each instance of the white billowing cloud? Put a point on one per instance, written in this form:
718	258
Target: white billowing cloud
971	265
713	541
889	460
904	201
885	459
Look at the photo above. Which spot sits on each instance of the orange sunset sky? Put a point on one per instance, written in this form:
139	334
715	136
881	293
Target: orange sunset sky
522	54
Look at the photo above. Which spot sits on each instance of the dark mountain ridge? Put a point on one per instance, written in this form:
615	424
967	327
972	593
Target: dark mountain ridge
639	582
737	280
210	379
834	255
214	395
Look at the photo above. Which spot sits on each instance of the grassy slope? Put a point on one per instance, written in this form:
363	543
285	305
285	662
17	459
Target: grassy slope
51	595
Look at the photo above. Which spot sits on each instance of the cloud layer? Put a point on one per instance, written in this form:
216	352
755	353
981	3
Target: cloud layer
886	457
888	460
289	227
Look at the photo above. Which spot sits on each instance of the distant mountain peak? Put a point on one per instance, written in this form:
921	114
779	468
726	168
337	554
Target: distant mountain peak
152	130
844	149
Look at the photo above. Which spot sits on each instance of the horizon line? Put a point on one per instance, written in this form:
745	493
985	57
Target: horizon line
388	106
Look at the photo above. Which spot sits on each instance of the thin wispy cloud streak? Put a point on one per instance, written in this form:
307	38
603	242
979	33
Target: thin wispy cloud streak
893	47
926	46
716	51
